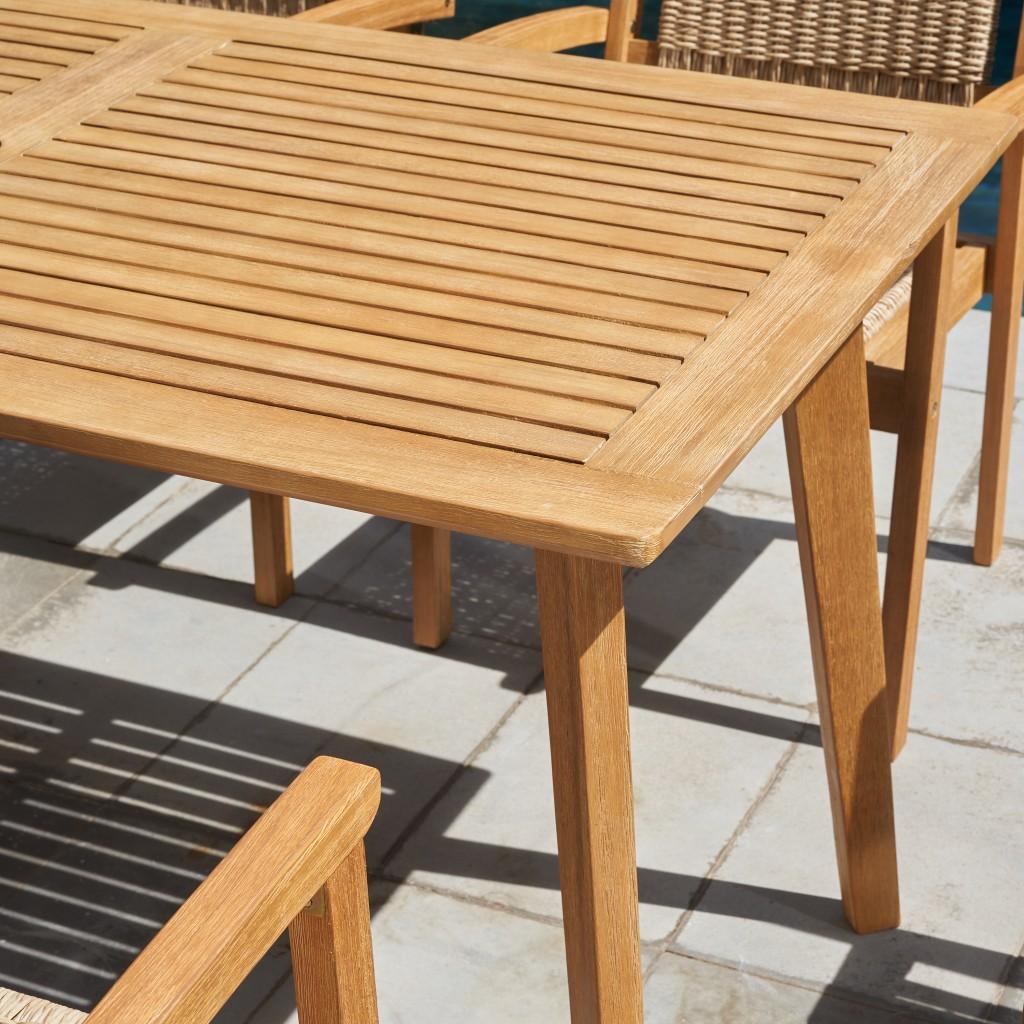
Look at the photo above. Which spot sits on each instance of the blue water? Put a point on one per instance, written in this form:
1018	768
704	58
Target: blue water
979	212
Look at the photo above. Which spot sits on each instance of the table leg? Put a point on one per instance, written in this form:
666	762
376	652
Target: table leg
584	642
431	585
830	468
1004	337
271	547
915	463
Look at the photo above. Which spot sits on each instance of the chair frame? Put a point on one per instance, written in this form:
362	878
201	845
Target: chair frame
301	867
904	367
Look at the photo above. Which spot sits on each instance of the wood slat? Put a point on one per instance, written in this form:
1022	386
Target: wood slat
693	260
352	299
361	267
550	354
635	168
280	345
300	395
102	31
451	106
389	78
47	55
307	221
390	211
50	39
26	68
616	87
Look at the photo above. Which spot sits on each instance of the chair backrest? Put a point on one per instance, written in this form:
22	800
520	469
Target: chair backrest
938	50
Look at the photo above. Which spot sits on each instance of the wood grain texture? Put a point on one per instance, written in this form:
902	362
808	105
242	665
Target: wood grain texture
549	31
1004	339
272	548
431	585
915	466
219	934
332	950
830	469
599	279
583	637
380	14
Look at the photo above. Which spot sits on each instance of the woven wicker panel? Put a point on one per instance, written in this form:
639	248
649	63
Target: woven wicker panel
16	1008
281	8
937	50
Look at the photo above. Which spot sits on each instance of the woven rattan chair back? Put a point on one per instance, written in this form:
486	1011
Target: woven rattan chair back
281	8
938	50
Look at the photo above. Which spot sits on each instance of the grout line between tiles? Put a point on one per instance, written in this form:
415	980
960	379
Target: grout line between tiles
705	884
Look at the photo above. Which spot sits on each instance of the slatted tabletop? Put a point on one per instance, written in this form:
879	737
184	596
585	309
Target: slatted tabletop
540	298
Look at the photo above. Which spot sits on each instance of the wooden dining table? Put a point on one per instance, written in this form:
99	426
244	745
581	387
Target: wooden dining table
548	300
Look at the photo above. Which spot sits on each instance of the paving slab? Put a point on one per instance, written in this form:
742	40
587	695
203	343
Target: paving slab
773	905
700	760
206	528
351	685
442	959
967	354
685	990
969	669
961	511
30	571
724	604
71	498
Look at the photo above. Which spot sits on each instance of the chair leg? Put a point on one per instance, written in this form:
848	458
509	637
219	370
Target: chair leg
1007	294
915	463
272	548
332	950
431	586
584	644
830	469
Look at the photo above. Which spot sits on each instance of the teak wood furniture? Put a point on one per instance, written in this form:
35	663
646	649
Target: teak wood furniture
534	298
301	867
924	49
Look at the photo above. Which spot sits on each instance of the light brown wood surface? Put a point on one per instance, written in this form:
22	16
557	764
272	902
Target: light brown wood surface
545	271
830	468
332	950
1007	292
380	14
915	465
550	31
220	933
272	548
431	585
584	641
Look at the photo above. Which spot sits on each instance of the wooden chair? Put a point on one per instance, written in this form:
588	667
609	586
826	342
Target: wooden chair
941	54
300	867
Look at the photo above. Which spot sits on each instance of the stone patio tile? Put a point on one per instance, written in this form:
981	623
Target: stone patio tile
724	605
443	959
700	759
774	907
31	570
493	592
967	354
71	498
968	670
765	469
684	990
961	512
348	684
206	528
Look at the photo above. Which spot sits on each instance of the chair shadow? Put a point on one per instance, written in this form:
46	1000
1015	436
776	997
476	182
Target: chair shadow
110	816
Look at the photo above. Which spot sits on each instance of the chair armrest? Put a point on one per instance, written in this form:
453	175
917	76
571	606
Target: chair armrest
1007	99
550	31
380	14
222	930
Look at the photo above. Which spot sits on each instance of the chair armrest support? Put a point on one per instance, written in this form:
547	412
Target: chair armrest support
220	933
1007	99
550	31
379	14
